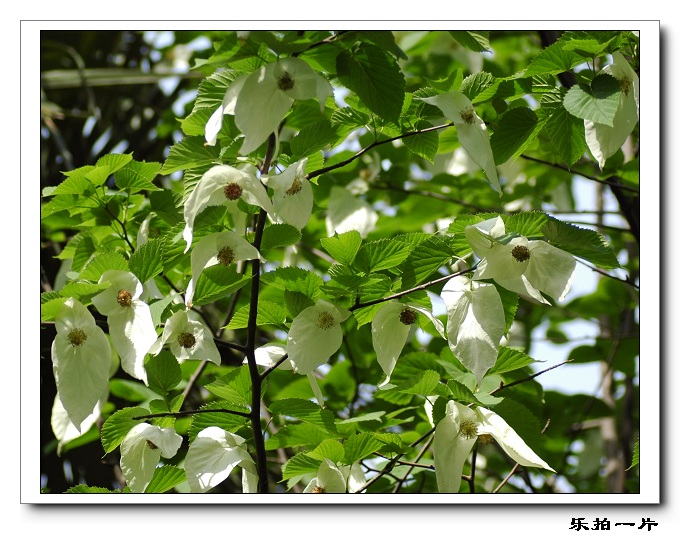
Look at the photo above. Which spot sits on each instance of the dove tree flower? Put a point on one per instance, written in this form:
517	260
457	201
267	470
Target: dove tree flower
81	359
456	434
222	185
63	428
604	140
141	451
333	479
527	267
187	339
261	100
130	324
475	324
212	456
471	131
222	248
293	198
270	354
390	329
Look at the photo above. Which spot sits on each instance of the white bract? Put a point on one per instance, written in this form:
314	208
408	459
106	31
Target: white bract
390	329
63	428
471	130
81	358
270	354
475	324
141	451
130	324
347	212
260	101
293	198
520	265
315	334
222	248
456	434
603	140
212	456
333	479
219	186
188	339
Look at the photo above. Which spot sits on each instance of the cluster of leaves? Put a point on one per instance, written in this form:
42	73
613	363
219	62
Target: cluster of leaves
383	147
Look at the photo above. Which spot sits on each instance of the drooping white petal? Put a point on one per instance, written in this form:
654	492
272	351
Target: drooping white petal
551	270
347	212
206	253
132	334
329	479
354	476
451	448
493	424
81	358
481	236
141	451
270	354
315	334
293	197
212	456
603	141
63	428
475	325
176	327
389	335
227	107
471	130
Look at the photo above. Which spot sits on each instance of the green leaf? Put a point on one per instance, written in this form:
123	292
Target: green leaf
515	131
427	257
553	60
235	387
81	291
101	263
529	224
375	77
296	435
50	308
167	205
268	313
118	425
313	137
636	455
597	103
131	391
165	478
279	235
509	360
190	153
381	255
475	84
306	411
137	176
163	372
343	247
229	422
294	279
217	282
299	465
425	144
584	243
473	40
146	262
296	302
328	449
360	446
567	133
82	488
114	161
84	249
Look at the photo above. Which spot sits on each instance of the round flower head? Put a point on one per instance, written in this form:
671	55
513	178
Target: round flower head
456	434
471	131
314	335
269	92
390	330
220	185
188	339
212	456
130	324
81	358
293	198
141	450
223	248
